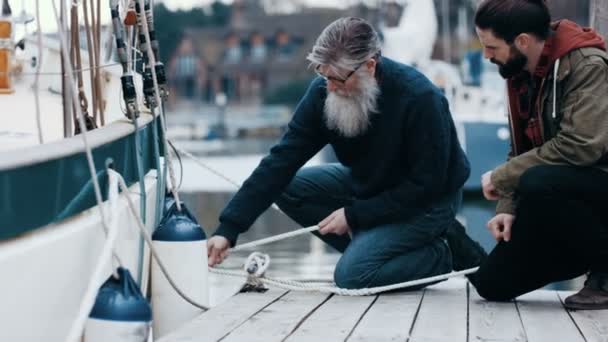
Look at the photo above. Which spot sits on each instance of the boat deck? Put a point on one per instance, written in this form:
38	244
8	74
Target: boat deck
448	311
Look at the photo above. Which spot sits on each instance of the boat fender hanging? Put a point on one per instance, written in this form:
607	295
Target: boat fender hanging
120	313
182	246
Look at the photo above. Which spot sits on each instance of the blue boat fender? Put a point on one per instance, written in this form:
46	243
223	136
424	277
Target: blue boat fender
181	244
120	313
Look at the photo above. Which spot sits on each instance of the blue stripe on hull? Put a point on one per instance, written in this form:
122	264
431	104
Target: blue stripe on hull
36	195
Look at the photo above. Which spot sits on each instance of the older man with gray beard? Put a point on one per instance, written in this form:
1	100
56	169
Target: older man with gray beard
389	205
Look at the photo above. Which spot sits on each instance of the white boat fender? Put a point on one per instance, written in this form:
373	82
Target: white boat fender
120	313
182	246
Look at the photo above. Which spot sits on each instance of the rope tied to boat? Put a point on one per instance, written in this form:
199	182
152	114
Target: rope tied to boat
256	265
327	287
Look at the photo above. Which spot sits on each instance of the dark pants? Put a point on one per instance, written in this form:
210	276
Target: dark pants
560	232
386	254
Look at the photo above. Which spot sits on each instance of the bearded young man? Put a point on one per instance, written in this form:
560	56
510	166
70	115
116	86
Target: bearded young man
388	203
551	220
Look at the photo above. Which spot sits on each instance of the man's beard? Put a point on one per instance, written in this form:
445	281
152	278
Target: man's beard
513	66
350	114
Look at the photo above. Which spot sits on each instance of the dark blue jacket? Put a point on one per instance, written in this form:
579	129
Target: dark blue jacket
408	158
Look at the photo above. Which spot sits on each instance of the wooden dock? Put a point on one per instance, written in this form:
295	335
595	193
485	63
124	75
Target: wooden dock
449	311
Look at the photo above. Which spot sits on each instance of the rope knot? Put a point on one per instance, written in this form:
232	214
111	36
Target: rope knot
256	265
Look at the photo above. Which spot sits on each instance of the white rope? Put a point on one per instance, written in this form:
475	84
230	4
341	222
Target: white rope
207	167
216	172
275	238
257	261
262	261
257	264
81	122
77	327
92	62
37	77
303	286
331	288
88	151
152	62
148	238
98	275
65	74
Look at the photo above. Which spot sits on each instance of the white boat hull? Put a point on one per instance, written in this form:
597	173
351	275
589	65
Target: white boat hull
46	272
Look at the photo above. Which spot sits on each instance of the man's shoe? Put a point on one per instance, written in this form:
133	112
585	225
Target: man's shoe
466	253
593	296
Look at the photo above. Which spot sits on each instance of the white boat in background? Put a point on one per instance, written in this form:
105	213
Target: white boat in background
51	227
479	111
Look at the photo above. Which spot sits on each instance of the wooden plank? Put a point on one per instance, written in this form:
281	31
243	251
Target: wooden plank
545	319
278	320
389	319
493	321
443	313
592	323
219	321
333	321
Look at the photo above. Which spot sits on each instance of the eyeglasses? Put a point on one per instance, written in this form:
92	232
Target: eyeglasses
336	79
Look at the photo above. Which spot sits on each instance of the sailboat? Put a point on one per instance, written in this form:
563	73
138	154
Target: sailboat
479	112
68	117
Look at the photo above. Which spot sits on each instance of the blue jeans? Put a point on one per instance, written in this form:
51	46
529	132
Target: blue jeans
382	255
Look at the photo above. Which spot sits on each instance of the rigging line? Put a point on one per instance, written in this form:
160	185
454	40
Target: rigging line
91	60
66	98
71	90
181	165
95	20
65	74
98	275
152	62
84	104
37	76
92	52
99	89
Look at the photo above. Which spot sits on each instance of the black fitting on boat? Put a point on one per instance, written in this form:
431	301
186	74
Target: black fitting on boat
143	42
129	94
120	42
161	79
149	96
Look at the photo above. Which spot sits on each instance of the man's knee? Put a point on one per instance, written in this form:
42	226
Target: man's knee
347	276
287	203
491	291
493	295
294	193
537	181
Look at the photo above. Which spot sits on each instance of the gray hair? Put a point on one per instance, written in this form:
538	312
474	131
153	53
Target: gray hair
345	44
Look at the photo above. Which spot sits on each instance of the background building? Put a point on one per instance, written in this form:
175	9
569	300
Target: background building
254	54
258	57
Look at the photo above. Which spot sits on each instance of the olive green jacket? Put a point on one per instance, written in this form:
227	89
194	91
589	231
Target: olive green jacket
577	134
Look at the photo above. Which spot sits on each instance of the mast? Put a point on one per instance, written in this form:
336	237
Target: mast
65	91
599	16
